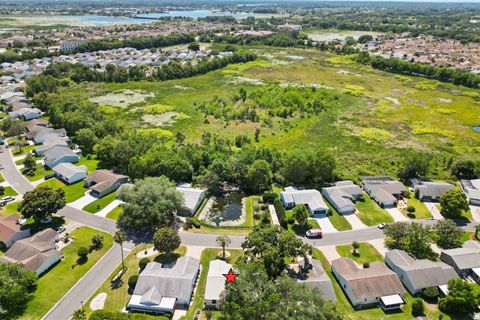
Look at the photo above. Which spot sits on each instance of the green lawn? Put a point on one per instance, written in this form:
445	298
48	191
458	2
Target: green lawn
251	202
366	253
207	256
466	215
2	179
421	211
370	213
338	221
72	192
115	213
10	208
118	296
53	285
40	173
298	229
16	152
101	203
9	192
345	308
21	161
90	163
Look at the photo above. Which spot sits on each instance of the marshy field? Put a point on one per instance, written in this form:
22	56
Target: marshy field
297	98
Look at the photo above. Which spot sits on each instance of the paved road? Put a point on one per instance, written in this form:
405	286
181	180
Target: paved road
86	286
11	173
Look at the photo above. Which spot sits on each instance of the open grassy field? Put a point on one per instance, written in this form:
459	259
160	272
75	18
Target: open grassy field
370	213
63	275
379	115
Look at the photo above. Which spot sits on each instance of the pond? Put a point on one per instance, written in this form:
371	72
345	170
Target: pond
226	209
477	128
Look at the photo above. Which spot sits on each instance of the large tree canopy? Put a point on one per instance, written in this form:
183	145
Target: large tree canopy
150	204
16	285
453	203
42	202
414	238
255	296
272	245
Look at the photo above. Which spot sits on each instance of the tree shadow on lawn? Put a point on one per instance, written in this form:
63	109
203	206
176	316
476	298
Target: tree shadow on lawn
36	226
165	258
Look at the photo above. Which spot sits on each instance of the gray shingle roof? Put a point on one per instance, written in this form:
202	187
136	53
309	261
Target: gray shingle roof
169	282
318	278
68	169
421	273
466	257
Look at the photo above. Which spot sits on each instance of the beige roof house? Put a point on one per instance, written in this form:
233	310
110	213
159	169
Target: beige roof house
367	286
102	182
36	253
11	231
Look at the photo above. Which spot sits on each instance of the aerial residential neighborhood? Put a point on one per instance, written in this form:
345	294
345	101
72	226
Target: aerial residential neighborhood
234	160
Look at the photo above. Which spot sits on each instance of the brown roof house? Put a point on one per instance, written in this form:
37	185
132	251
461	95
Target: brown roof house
37	253
10	231
376	285
102	182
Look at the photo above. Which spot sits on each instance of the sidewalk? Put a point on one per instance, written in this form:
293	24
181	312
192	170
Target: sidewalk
103	213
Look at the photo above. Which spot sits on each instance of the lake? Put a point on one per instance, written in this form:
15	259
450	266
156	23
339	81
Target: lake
477	128
95	20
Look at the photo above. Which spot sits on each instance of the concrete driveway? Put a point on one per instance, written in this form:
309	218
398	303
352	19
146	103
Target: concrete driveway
379	245
325	225
475	210
330	252
396	214
82	202
355	222
431	206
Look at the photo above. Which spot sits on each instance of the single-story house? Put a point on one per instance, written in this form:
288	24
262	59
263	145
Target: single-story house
26	113
37	253
429	190
40	134
215	282
463	259
11	231
376	285
471	188
51	142
311	198
383	189
162	289
342	196
102	182
32	124
70	173
317	277
417	275
193	198
60	154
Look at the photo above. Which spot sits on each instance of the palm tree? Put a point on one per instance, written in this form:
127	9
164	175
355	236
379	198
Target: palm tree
120	237
223	241
79	314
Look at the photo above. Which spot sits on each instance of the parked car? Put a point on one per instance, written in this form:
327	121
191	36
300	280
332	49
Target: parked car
382	225
7	199
60	229
314	233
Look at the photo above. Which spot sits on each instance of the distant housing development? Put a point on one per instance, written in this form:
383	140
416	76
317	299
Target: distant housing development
312	199
161	289
417	275
383	189
376	285
343	195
